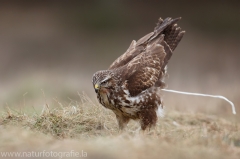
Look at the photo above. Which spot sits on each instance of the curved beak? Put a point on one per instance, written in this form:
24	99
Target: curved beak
96	87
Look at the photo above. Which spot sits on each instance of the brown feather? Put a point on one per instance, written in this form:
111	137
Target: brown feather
144	69
131	85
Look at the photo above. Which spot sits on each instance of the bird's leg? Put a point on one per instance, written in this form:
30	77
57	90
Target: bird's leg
122	122
148	119
155	131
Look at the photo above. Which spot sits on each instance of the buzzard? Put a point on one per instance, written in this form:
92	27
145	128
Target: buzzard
131	86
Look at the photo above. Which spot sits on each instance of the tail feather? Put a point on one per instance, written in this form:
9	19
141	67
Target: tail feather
178	39
172	36
162	24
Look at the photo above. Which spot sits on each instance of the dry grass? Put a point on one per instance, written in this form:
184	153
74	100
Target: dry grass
85	125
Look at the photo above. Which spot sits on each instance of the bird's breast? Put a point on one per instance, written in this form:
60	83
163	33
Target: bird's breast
105	101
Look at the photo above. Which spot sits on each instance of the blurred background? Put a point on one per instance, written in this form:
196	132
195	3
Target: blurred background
55	46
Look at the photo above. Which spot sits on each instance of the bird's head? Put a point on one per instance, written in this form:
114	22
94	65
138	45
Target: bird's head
103	81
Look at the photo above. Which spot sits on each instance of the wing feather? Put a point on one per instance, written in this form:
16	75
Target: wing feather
144	63
144	70
131	52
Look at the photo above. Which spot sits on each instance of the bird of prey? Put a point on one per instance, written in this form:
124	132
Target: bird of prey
131	86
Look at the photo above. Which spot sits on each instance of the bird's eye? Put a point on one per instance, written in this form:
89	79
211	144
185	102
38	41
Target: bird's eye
104	82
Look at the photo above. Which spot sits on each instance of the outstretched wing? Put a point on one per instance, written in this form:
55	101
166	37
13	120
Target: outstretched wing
126	57
144	70
172	37
134	49
143	64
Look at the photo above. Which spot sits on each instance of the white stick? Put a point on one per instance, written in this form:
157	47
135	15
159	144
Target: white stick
204	95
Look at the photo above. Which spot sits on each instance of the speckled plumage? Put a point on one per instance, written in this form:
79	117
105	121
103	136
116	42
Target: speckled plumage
131	86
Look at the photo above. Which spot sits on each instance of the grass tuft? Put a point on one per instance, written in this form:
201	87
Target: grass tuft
84	123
